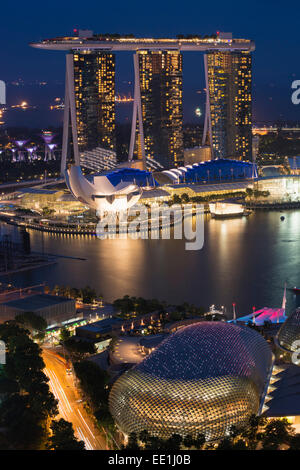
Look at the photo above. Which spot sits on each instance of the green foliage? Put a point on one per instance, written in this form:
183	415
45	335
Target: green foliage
46	211
28	402
185	198
259	433
176	316
217	197
79	348
278	146
88	295
64	334
294	442
94	383
63	438
174	442
175	199
31	321
276	433
137	305
133	442
148	442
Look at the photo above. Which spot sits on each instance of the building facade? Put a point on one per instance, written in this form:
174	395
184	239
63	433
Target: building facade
94	88
54	309
229	78
160	74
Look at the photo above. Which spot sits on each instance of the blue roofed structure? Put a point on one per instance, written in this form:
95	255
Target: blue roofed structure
294	163
138	177
222	169
95	330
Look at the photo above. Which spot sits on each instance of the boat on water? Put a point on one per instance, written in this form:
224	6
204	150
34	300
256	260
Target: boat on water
224	210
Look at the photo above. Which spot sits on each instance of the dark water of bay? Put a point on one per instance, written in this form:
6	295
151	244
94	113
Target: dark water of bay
246	261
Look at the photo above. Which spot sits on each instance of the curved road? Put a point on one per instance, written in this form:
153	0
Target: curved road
69	402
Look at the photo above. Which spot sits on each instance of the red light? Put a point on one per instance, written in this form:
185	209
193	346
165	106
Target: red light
233	305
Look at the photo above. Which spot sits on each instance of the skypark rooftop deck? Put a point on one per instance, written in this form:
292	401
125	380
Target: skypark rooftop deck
97	42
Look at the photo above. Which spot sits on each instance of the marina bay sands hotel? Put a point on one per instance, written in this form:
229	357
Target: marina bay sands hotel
157	122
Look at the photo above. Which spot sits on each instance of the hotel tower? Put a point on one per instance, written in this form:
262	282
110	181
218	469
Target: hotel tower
229	113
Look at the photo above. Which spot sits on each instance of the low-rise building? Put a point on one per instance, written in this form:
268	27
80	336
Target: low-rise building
54	309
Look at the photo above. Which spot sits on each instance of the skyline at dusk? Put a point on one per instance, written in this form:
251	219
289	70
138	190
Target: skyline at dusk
149	229
274	32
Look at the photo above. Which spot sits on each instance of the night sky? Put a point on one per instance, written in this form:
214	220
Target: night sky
273	25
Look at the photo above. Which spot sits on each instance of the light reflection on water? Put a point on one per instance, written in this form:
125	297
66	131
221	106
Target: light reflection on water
245	260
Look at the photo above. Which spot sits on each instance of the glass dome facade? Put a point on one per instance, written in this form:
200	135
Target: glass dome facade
290	332
204	378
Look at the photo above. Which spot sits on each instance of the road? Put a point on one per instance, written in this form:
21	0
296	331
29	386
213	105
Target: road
70	406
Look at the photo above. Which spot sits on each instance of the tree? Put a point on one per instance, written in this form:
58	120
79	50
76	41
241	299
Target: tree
79	348
295	442
64	334
28	402
93	381
47	211
185	198
31	321
132	442
199	441
23	429
176	199
144	436
226	444
88	295
174	442
63	437
251	433
188	441
249	192
276	433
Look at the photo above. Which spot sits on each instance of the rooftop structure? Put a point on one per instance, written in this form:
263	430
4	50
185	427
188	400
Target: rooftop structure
212	171
95	330
283	399
266	314
109	43
54	309
204	378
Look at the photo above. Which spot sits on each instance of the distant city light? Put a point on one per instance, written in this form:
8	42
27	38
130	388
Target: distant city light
198	112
